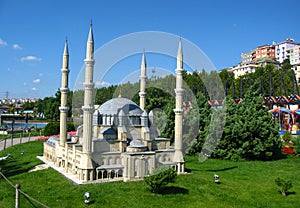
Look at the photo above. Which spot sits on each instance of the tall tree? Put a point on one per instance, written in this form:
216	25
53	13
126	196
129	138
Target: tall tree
250	133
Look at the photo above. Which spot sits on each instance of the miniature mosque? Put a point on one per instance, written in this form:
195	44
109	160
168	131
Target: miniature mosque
115	141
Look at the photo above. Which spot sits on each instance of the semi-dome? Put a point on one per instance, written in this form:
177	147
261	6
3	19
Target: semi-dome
115	105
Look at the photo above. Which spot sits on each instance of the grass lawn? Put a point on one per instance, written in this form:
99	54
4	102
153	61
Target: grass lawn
243	184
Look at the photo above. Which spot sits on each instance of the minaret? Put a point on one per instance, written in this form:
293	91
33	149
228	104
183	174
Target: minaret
178	156
64	96
143	77
88	106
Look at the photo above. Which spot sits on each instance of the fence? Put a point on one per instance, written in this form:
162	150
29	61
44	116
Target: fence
18	191
7	142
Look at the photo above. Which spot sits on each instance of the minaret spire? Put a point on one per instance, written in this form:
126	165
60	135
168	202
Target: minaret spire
88	84
64	96
178	155
143	78
180	55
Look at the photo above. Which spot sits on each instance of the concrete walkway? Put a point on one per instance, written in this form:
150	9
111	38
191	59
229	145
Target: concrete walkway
10	142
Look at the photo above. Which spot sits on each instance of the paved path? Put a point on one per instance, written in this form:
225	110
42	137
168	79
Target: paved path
10	142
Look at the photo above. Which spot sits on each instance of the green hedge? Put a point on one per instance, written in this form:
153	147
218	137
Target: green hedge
53	128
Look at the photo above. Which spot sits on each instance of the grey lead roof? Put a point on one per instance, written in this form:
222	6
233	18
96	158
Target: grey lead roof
113	106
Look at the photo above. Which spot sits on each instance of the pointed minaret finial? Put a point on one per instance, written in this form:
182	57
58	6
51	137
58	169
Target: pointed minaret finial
144	64
66	50
90	44
91	38
143	78
180	55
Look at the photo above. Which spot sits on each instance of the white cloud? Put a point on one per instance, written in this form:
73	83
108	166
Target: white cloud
33	89
17	47
30	58
3	43
36	81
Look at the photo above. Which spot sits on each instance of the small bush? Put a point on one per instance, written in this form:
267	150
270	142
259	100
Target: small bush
160	177
284	185
296	142
287	137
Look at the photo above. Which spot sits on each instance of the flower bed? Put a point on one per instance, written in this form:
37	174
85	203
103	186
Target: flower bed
45	138
288	150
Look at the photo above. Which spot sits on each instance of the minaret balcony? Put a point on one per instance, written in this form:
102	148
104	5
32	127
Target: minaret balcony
88	109
179	71
88	85
64	90
179	91
63	109
178	111
65	70
89	61
142	94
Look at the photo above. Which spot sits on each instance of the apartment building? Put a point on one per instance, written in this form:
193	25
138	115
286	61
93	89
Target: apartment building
264	51
283	49
293	54
269	54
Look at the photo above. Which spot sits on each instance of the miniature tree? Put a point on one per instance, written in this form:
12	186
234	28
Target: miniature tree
160	177
284	185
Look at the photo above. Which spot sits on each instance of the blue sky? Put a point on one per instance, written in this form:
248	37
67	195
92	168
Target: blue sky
33	33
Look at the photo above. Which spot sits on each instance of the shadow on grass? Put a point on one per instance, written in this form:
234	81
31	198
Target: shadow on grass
288	193
173	190
189	170
223	169
11	170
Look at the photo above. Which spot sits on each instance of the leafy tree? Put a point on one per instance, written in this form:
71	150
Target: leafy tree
204	121
296	143
159	178
51	128
286	64
28	105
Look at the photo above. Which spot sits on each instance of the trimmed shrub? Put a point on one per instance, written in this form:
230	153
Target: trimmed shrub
284	185
160	177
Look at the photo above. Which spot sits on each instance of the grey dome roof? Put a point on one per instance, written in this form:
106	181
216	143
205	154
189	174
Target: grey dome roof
113	106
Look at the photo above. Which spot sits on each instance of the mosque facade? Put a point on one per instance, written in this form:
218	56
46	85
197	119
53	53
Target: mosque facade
115	141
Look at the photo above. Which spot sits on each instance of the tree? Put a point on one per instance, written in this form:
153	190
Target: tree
204	121
53	128
286	64
250	133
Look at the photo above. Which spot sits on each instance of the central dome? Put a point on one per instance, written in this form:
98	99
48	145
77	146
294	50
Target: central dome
115	105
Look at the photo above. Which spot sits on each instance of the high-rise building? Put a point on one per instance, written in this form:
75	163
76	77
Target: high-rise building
282	49
263	52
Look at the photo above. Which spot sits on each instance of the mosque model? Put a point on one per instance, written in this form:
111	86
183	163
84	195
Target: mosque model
116	141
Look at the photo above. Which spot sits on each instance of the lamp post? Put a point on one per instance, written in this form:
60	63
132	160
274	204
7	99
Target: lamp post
87	195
